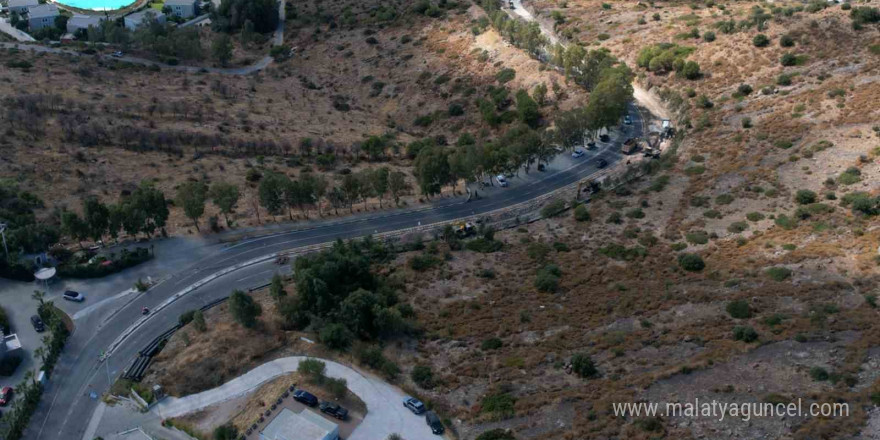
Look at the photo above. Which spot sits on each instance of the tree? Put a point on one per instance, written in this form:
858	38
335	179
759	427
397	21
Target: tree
431	168
335	336
375	147
244	309
221	48
225	196
539	93
397	185
73	227
145	210
351	188
191	197
527	109
271	192
761	40
233	14
225	432
357	311
423	376
691	262
691	70
276	288
96	216
199	321
379	182
805	197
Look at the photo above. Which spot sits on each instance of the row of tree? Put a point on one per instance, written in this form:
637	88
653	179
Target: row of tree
145	211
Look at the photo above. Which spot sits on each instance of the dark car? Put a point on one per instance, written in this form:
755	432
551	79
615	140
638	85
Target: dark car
334	410
604	137
602	163
5	396
414	405
38	324
71	295
305	397
434	422
591	145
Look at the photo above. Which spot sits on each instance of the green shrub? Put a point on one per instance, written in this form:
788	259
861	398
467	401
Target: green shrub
778	273
582	365
709	36
225	432
785	222
491	344
851	176
712	213
697	237
754	216
423	262
761	40
499	405
620	252
505	75
423	376
737	227
679	246
786	41
691	262
745	334
635	213
553	209
819	374
739	309
581	213
496	434
186	317
805	196
484	245
336	336
547	279
724	199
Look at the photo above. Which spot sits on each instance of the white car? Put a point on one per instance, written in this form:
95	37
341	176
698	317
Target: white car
627	120
70	295
501	180
578	152
117	54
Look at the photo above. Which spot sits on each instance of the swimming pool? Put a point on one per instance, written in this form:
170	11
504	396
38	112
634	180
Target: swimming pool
97	5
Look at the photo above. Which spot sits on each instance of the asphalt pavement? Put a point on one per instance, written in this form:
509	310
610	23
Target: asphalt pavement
66	407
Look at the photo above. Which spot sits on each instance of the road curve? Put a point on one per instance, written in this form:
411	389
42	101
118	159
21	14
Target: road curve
385	412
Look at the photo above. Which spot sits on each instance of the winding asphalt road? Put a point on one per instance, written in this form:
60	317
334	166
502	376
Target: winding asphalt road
66	407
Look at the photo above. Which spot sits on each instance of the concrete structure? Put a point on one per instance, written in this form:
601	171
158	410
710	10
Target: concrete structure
42	16
21	6
288	425
78	22
10	345
183	8
135	20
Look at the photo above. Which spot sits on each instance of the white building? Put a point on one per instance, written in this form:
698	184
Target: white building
133	21
183	8
21	6
78	22
9	345
42	16
288	425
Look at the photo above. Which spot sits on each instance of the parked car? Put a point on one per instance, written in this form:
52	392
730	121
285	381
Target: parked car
334	410
38	324
604	137
627	120
5	396
578	152
70	295
591	145
501	180
602	163
434	422
414	405
305	397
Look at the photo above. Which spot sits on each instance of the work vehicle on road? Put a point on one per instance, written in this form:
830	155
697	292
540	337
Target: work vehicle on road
5	396
334	410
463	230
38	324
70	295
630	146
578	152
305	397
414	405
501	180
434	422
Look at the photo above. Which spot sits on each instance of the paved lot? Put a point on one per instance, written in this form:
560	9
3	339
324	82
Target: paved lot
385	413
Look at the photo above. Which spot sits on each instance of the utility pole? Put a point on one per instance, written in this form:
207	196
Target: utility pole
3	233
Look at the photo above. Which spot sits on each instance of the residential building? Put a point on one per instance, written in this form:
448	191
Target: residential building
42	16
21	6
78	22
183	8
9	345
288	425
133	21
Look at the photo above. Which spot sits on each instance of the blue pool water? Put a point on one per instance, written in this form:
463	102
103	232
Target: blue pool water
97	5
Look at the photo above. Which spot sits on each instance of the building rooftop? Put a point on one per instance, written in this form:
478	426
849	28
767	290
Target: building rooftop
288	425
86	20
45	10
12	342
139	16
179	2
20	3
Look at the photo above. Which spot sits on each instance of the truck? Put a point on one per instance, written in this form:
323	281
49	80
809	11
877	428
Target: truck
652	144
630	146
463	230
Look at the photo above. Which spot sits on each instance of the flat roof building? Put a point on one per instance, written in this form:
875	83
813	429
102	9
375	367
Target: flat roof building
288	425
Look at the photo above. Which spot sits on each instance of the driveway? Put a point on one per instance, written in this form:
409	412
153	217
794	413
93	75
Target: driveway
10	30
16	300
385	412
